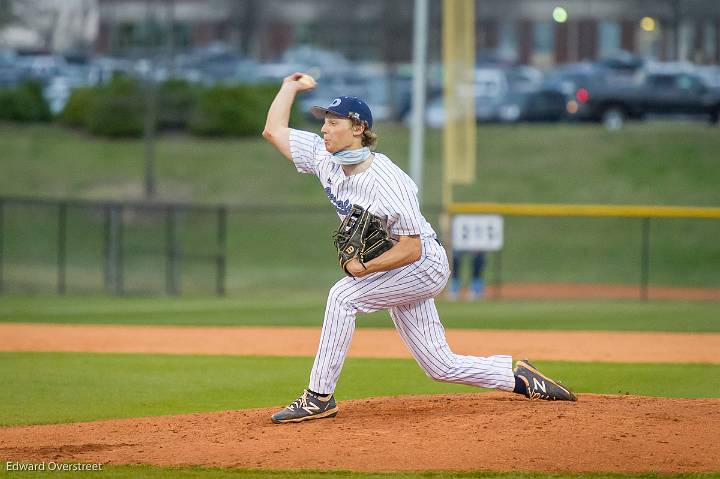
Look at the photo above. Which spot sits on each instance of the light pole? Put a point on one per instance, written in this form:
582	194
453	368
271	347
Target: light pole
417	129
150	107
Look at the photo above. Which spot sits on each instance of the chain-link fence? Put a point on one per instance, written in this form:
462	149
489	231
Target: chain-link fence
79	247
113	247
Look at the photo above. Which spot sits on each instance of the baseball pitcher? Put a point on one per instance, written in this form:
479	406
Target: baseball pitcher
391	257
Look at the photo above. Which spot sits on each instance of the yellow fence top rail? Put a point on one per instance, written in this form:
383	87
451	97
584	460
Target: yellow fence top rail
528	209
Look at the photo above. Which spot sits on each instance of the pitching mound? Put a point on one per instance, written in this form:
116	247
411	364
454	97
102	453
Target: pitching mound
448	432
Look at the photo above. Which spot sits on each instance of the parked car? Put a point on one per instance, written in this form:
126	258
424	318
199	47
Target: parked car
41	68
104	69
212	65
571	78
317	60
532	106
524	78
434	113
680	93
491	85
710	75
621	67
9	74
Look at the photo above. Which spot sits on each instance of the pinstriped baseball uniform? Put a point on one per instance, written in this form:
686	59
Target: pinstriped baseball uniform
406	292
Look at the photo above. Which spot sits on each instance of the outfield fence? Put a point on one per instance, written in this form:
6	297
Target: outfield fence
140	248
675	244
115	247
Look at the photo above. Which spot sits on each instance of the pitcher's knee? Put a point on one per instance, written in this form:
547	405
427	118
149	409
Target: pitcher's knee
440	374
342	294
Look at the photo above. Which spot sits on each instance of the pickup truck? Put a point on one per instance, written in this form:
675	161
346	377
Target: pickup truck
668	94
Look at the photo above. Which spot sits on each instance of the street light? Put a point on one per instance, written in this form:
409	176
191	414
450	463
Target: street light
647	24
560	15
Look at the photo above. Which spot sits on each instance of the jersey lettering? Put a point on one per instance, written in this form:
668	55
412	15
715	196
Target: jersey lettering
342	207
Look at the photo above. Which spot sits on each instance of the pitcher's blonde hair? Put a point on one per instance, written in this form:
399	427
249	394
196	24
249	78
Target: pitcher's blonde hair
369	137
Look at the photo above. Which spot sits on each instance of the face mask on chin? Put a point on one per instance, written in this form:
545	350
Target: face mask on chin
351	157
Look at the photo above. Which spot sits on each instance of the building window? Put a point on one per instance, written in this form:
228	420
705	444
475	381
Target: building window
182	35
710	40
648	43
543	38
609	38
125	34
507	40
543	44
687	35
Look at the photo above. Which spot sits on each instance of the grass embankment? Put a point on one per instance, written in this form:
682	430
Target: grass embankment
645	163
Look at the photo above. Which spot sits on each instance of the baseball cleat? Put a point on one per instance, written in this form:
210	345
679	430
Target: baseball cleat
306	407
540	386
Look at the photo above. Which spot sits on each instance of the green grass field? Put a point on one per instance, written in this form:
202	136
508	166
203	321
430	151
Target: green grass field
305	308
69	387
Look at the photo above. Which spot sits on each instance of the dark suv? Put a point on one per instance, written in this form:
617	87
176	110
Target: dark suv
668	94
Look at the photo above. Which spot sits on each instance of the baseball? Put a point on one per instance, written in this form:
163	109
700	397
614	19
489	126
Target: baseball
307	79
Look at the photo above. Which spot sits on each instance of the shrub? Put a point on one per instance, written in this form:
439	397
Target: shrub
224	110
176	100
118	109
7	105
77	109
237	110
24	103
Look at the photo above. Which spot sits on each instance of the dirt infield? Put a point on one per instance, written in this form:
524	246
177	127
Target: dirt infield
367	342
494	431
448	432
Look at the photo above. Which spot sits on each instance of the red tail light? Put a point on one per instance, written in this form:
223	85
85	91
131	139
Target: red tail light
582	95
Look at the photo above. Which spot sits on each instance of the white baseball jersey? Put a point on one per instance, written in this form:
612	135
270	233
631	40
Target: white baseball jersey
406	292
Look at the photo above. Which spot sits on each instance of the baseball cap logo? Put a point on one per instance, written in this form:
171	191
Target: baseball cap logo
335	102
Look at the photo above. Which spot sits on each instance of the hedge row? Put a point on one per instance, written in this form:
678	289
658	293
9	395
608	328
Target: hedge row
25	103
118	109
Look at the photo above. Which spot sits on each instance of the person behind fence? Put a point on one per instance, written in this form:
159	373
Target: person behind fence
477	284
404	279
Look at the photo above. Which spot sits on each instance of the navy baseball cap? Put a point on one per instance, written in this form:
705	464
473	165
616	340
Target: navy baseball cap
345	106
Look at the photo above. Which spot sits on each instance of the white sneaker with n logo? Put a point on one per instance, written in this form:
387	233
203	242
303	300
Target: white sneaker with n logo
540	386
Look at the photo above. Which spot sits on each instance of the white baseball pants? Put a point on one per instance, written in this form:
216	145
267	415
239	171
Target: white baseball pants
407	293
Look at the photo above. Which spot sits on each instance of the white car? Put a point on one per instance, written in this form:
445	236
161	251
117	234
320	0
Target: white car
491	85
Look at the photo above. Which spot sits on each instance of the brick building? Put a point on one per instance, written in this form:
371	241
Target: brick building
528	31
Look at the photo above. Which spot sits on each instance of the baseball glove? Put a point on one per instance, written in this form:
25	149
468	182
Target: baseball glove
361	235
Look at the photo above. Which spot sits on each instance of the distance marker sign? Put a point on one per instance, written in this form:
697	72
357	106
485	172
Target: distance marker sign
477	233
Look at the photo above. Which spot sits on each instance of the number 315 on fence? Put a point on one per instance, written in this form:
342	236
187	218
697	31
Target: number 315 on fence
477	232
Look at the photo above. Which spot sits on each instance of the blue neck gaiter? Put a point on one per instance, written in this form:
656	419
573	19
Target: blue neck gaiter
351	157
